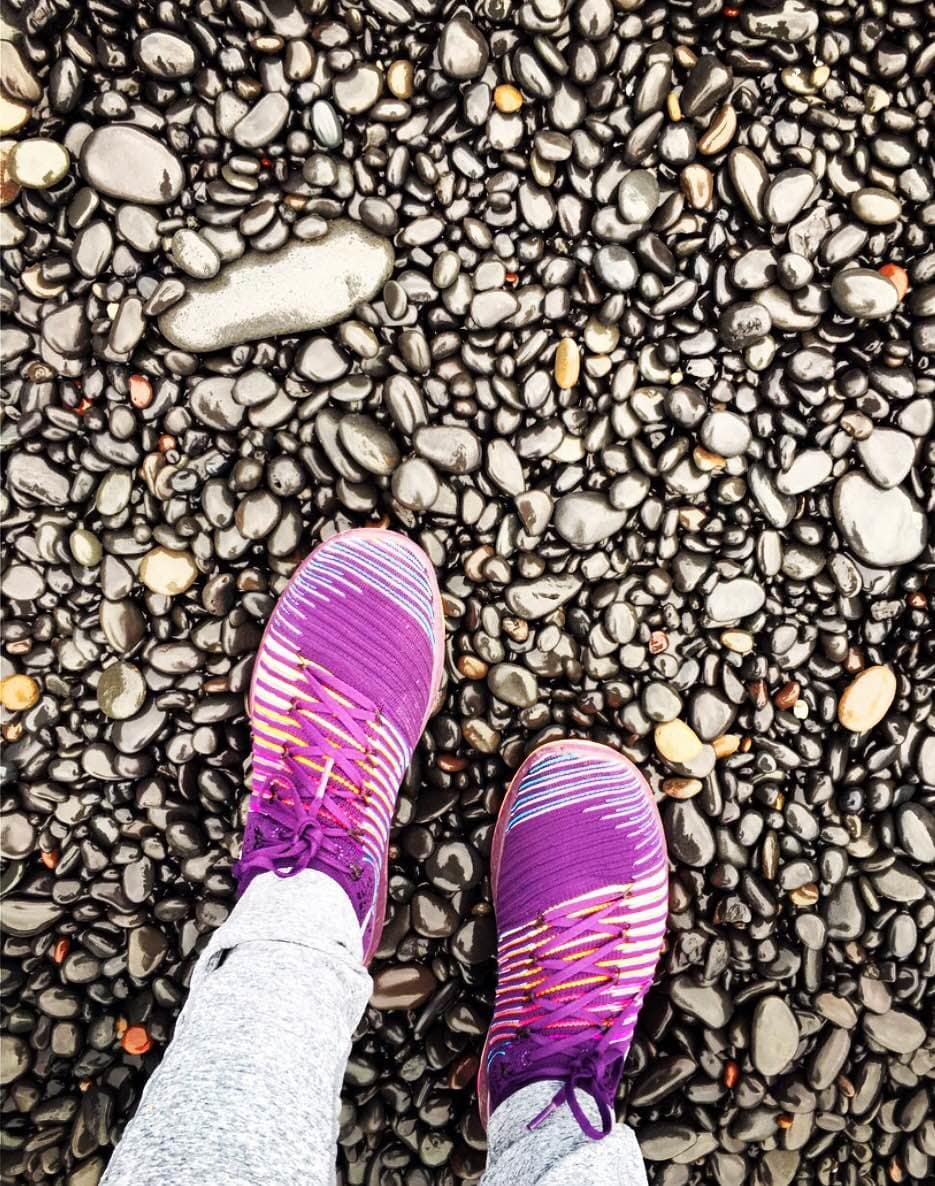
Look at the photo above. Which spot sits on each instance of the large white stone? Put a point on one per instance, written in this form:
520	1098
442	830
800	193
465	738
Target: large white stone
301	287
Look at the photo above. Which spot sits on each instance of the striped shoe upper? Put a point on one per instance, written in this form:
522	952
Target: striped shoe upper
343	682
581	896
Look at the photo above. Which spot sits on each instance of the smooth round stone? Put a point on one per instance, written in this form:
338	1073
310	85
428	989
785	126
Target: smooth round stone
725	433
916	826
18	692
268	294
894	1030
358	89
85	547
168	571
402	986
127	163
321	360
883	528
513	684
121	691
38	163
774	1035
742	324
787	194
888	455
263	122
194	255
462	49
677	742
16	836
21	583
861	292
165	55
730	600
690	840
369	444
616	268
454	866
876	206
415	485
14	1058
212	402
867	698
145	951
587	518
638	197
808	470
449	448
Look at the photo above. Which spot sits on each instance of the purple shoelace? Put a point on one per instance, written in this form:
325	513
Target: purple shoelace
588	1057
301	830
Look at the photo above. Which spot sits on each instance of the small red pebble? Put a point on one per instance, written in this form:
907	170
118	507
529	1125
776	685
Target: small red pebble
731	13
898	277
141	391
83	407
49	859
61	949
136	1040
731	1073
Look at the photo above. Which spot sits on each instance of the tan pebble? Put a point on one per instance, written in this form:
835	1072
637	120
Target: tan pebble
567	363
39	163
681	788
804	895
13	115
686	56
677	742
168	571
692	518
17	77
507	98
9	189
726	744
719	132
798	80
740	642
18	692
697	184
820	76
673	107
471	667
399	79
706	460
867	699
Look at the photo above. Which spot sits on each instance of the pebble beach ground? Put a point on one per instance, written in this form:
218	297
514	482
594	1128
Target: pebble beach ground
626	312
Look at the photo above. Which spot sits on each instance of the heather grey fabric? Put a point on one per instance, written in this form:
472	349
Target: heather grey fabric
249	1090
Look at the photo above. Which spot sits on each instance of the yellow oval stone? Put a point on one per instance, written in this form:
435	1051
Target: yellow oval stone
677	742
18	692
567	363
507	98
867	698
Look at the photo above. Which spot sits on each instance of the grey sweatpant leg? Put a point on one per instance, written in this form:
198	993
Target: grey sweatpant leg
248	1092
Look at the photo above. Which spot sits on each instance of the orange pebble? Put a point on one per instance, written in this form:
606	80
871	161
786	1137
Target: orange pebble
60	950
49	859
898	277
136	1040
731	1073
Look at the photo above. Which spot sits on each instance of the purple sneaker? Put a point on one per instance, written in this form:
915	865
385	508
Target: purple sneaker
580	888
345	678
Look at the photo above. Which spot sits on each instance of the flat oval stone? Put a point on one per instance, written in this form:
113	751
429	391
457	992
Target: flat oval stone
774	1036
881	527
867	698
127	163
168	571
861	292
587	518
121	691
300	287
165	55
730	600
